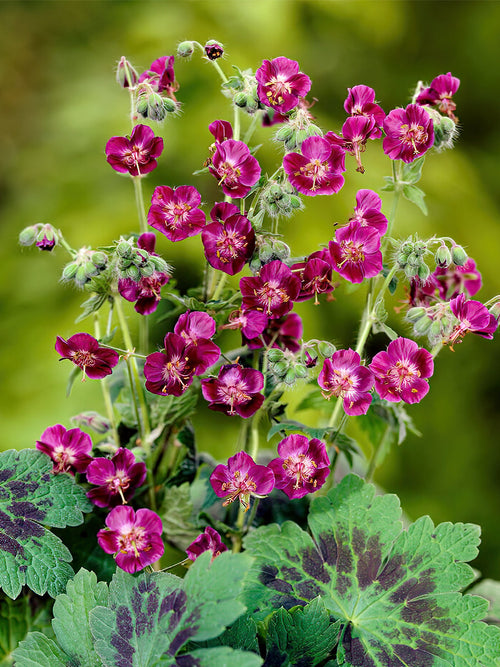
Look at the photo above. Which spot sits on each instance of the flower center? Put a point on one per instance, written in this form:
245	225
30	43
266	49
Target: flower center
301	468
340	383
63	459
271	296
176	213
174	372
233	395
228	174
239	486
83	359
402	374
276	91
133	541
315	170
352	251
230	246
413	135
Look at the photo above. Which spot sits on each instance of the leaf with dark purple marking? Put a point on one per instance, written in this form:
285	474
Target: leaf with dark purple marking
31	499
151	617
396	592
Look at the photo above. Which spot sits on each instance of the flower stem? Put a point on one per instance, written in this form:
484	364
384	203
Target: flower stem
105	391
139	202
377	449
220	287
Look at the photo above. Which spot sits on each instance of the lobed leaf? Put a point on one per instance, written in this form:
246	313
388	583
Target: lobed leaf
32	498
396	592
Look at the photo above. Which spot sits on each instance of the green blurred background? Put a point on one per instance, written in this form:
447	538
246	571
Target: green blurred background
59	104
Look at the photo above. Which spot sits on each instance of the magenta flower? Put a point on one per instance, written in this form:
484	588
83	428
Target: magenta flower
439	94
84	351
409	133
234	167
360	101
221	130
175	212
241	478
235	391
280	84
116	478
134	538
161	76
272	291
196	328
356	252
171	372
69	450
318	171
209	540
342	375
251	322
368	211
400	372
315	274
229	245
284	332
355	133
472	316
454	280
135	154
301	467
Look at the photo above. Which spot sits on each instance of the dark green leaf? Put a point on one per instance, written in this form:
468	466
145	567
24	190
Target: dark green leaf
218	657
242	634
416	196
32	498
177	516
396	592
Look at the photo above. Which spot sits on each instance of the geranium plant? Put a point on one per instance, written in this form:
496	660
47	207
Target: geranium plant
289	558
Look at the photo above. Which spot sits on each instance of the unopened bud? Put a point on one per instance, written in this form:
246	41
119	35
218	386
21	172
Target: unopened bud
325	348
445	133
265	252
142	105
92	420
169	105
124	249
257	219
46	238
126	75
185	49
435	329
274	354
133	273
147	270
290	376
443	256
422	326
300	371
28	235
458	255
99	259
81	276
280	368
214	49
155	109
69	271
284	132
90	270
281	250
415	314
423	272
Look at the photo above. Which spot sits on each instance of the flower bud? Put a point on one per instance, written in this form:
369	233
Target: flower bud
147	270
274	354
92	420
435	329
300	371
140	257
458	255
28	235
257	219
281	250
169	105
284	133
290	377
142	105
159	264
423	272
280	368
325	348
126	75
46	238
240	99
495	310
133	273
185	49
90	270
124	249
415	314
295	202
69	271
423	325
213	49
445	132
99	259
265	253
443	256
80	276
155	109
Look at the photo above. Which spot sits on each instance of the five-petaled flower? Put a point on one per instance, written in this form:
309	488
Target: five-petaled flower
318	170
236	390
135	154
241	478
355	252
342	375
471	316
116	479
360	101
401	372
302	465
70	450
272	291
175	212
235	167
368	211
169	373
209	540
161	76
280	84
439	94
134	538
409	133
230	244
84	350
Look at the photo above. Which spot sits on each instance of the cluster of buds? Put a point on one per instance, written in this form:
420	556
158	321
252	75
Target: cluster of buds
154	89
87	264
299	128
435	322
267	250
136	263
280	199
286	366
242	88
44	236
410	258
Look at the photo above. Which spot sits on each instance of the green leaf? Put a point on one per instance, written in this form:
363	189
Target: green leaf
490	590
396	592
242	634
14	626
301	636
382	327
411	172
314	401
37	650
154	615
221	657
176	513
71	617
32	498
416	196
74	374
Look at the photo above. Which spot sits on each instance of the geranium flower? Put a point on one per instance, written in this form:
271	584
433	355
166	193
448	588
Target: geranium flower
360	101
368	211
235	391
409	133
116	478
229	245
209	540
356	252
135	154
160	76
355	133
318	170
221	130
69	449
175	212
284	333
439	94
280	84
84	351
301	467
134	538
251	322
342	375
315	274
170	373
472	316
400	373
454	280
234	167
272	291
197	328
241	478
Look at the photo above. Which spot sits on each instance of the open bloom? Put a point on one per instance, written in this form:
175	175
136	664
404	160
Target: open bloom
175	212
401	372
197	328
135	154
315	274
409	133
160	76
235	391
169	373
235	168
360	101
302	465
134	538
241	478
342	375
368	211
280	84
230	244
355	132
209	540
116	478
356	252
273	291
84	351
318	170
472	316
70	450
439	94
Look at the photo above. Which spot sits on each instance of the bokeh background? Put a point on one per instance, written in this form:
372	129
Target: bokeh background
59	104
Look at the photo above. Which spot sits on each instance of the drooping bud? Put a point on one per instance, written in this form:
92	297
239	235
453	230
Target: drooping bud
414	314
458	255
326	349
47	238
155	109
92	420
443	256
422	326
423	272
28	235
185	49
213	49
126	75
445	129
495	310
